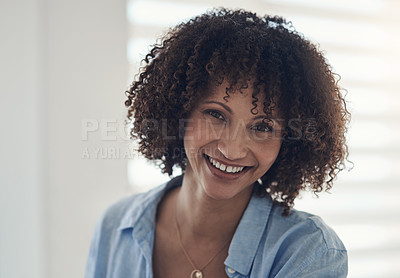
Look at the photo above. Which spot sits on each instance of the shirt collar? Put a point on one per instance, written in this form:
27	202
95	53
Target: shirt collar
145	205
248	235
242	251
140	216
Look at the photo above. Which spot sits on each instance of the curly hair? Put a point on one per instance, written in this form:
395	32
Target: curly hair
286	69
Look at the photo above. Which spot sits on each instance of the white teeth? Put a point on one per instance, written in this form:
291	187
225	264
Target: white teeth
223	167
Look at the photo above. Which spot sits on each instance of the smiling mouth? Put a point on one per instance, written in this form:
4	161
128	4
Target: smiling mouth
225	168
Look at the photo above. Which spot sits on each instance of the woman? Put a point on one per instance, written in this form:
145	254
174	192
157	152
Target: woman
252	113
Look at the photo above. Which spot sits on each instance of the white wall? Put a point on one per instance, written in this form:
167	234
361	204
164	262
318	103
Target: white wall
61	62
21	136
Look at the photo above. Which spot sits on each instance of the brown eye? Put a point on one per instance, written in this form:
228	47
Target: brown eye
216	114
262	128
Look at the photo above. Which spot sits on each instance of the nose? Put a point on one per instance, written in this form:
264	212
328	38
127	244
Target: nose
233	146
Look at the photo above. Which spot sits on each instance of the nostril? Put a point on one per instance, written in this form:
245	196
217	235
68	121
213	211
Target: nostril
232	150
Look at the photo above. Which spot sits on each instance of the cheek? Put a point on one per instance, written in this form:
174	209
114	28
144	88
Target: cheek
193	139
268	153
200	131
190	146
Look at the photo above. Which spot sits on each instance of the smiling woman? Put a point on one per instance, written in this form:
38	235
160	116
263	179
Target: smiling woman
254	115
225	144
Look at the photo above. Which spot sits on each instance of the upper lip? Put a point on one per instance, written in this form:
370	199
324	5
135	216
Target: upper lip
226	163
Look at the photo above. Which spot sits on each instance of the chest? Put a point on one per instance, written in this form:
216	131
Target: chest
169	260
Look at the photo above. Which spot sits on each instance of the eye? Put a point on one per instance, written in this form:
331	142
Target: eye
215	114
262	127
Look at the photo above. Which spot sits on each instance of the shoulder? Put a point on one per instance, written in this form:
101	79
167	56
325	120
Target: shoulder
303	245
268	244
131	211
299	224
128	210
113	226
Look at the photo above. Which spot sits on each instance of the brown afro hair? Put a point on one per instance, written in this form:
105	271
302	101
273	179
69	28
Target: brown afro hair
241	47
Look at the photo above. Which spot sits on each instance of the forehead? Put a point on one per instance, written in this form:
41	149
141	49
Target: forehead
228	95
226	89
244	98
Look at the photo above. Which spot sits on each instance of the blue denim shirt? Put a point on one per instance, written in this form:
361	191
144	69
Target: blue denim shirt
265	243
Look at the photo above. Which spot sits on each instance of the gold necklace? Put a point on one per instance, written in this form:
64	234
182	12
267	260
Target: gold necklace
197	272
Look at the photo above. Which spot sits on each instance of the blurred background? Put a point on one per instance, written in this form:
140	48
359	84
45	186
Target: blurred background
64	156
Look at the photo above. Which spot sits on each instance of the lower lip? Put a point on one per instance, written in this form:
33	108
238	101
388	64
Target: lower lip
222	174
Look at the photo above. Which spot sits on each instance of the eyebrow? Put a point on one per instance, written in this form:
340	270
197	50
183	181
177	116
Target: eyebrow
263	117
227	108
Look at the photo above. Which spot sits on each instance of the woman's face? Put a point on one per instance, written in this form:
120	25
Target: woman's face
228	147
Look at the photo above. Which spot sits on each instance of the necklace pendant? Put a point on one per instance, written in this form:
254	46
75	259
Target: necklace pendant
196	274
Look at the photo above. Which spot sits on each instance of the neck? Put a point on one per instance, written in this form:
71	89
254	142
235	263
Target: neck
204	219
